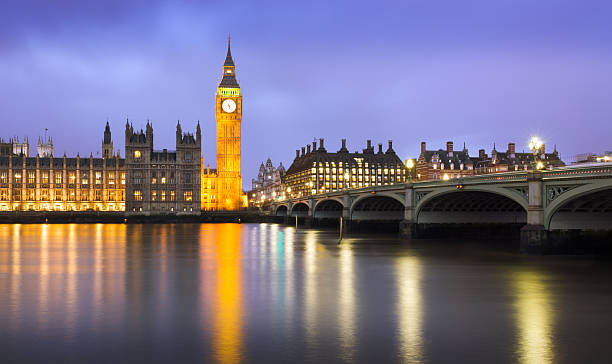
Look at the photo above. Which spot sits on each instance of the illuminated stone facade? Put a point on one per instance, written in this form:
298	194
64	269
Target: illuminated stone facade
222	189
268	186
316	171
449	163
62	184
162	181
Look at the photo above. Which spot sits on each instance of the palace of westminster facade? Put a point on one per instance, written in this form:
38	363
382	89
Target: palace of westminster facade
146	181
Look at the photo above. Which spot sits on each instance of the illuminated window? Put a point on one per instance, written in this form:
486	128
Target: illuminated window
111	195
58	195
171	195
3	177
110	176
187	196
31	177
163	195
84	179
163	180
71	178
98	178
153	178
58	178
16	195
45	177
4	195
137	154
122	178
137	195
31	193
98	195
153	195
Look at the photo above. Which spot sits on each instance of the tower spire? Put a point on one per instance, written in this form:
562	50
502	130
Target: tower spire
228	59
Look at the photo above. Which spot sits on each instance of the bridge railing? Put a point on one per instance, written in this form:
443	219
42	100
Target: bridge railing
573	172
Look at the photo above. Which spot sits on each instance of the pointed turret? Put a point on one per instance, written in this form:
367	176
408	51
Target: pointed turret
229	70
107	134
228	59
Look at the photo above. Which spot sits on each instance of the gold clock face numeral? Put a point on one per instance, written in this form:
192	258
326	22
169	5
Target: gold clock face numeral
228	105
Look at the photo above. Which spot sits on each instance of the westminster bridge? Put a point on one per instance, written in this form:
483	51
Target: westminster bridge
547	204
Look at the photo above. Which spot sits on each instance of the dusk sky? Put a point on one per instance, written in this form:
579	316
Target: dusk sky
469	71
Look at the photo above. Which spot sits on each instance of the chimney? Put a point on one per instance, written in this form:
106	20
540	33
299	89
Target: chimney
423	148
314	146
308	149
390	150
481	154
380	148
297	153
303	150
369	144
449	148
511	149
343	143
321	145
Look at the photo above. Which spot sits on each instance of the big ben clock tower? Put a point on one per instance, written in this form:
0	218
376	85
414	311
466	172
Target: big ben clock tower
228	113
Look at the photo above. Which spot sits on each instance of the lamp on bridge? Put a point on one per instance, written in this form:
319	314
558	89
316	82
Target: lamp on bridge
409	165
535	144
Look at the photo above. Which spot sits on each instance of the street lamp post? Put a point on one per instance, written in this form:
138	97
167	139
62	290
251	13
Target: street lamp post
409	165
535	144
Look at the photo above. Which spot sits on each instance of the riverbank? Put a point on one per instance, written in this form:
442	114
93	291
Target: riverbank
90	217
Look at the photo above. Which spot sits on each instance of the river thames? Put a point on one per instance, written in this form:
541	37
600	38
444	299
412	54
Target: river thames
233	293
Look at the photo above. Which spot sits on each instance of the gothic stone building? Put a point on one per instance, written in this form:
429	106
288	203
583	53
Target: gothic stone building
315	171
162	181
62	184
449	163
268	185
222	187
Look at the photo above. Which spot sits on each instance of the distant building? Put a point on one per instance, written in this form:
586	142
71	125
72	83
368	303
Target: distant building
14	147
315	171
44	147
268	185
47	183
448	163
162	181
589	158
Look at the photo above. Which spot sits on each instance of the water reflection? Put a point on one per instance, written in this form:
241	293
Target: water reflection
534	316
346	303
410	309
310	291
228	299
266	293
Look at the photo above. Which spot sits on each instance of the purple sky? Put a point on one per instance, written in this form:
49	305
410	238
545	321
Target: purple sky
474	71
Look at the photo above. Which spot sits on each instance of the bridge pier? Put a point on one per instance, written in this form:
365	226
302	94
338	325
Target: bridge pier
346	213
534	236
408	226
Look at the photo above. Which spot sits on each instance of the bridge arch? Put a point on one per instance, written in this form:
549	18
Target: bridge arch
299	209
472	205
587	207
378	207
329	208
281	211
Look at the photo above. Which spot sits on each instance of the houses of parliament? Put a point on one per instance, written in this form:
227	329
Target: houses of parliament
146	181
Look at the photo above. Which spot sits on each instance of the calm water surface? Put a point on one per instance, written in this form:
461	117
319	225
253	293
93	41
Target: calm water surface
268	293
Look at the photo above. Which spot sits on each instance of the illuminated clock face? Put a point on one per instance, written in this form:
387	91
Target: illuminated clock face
228	105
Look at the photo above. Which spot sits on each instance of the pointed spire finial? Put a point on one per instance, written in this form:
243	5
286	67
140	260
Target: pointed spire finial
228	59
